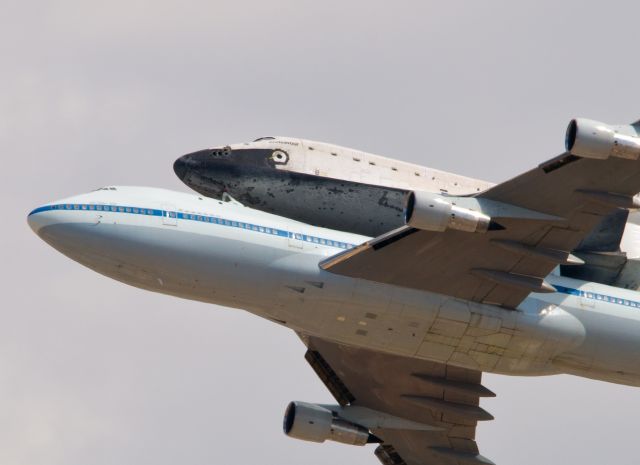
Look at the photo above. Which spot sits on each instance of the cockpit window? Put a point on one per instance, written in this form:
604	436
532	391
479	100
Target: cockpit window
264	138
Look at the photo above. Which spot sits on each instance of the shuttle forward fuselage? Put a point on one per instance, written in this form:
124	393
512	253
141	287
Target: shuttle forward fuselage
317	183
225	253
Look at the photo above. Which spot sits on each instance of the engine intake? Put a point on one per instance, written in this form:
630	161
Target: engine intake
430	212
592	139
315	423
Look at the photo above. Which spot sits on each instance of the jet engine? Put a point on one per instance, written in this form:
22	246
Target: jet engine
591	139
431	212
315	423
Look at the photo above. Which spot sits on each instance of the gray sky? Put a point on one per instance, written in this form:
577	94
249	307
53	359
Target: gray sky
94	372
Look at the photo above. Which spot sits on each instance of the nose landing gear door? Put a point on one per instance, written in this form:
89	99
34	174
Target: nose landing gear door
169	215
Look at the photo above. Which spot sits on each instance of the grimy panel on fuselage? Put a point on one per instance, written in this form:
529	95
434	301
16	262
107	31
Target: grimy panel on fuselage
225	253
251	177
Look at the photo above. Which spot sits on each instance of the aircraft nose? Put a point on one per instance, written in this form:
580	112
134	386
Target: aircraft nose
41	217
180	167
212	172
195	161
184	165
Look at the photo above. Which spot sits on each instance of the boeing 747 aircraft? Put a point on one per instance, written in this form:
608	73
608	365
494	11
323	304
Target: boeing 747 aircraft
399	327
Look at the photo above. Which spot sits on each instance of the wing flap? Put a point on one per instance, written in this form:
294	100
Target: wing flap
426	392
573	196
463	265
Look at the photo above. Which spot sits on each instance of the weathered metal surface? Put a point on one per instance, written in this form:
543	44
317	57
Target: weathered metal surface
250	176
317	183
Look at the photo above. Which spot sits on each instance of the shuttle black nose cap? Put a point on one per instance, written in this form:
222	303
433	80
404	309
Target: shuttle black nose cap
186	164
200	160
180	167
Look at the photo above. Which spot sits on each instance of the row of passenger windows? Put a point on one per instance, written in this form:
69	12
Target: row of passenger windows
235	224
263	229
595	296
205	219
319	240
614	300
106	208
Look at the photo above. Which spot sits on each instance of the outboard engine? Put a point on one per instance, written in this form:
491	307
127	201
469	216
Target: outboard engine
592	139
315	423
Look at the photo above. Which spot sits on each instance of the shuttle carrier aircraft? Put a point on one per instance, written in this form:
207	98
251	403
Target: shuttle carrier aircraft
399	327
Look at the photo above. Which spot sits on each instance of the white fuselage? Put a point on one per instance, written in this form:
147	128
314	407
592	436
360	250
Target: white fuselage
224	253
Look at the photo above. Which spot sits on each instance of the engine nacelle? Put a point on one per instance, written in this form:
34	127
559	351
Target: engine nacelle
431	212
315	423
591	139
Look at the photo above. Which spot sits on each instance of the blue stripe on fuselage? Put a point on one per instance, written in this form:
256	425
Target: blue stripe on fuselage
282	233
597	296
177	215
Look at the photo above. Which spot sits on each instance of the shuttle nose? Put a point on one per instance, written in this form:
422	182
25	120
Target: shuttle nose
189	163
219	164
211	172
180	167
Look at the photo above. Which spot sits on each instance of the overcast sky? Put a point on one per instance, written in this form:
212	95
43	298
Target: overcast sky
94	372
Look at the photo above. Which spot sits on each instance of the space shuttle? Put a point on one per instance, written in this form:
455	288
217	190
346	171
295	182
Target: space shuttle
350	190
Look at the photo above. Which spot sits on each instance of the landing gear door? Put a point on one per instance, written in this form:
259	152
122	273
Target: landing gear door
169	215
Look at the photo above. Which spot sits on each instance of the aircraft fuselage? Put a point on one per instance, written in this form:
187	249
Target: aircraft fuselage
224	253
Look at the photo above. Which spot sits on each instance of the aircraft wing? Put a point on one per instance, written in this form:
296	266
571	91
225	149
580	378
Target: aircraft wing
419	391
569	195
